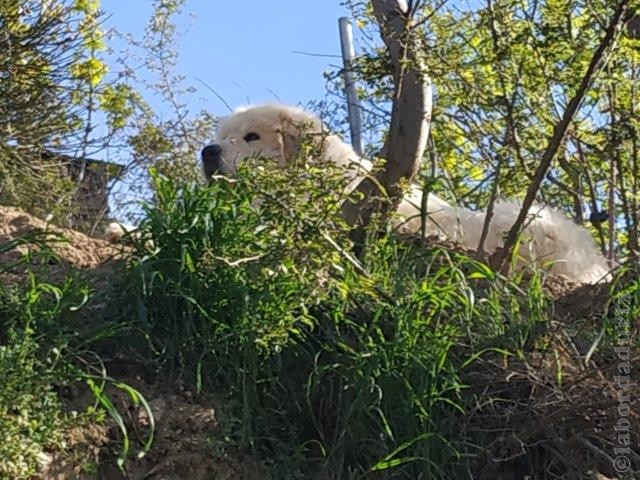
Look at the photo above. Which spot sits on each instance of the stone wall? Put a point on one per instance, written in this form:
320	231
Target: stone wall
91	208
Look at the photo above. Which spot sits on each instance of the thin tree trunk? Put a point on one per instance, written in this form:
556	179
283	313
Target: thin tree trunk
595	210
410	118
635	169
613	176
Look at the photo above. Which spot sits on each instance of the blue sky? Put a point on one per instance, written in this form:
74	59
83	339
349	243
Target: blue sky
245	50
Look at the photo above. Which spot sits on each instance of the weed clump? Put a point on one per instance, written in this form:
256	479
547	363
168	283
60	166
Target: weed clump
32	362
247	287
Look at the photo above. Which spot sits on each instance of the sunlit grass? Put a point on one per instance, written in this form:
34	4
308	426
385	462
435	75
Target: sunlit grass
353	366
319	361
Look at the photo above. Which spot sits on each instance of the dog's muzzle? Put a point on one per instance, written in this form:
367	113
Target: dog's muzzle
211	160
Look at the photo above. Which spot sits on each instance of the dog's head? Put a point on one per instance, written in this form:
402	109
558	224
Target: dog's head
272	131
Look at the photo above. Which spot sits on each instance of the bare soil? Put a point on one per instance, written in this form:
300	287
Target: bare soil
186	443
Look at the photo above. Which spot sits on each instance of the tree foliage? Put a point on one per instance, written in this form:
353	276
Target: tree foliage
52	80
503	74
170	139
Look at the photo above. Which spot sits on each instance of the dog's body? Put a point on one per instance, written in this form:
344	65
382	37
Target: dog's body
549	239
276	131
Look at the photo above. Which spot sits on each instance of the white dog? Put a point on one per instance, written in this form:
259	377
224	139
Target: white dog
275	131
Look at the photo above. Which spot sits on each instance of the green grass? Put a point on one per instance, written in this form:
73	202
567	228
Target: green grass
31	363
325	362
42	350
30	415
320	362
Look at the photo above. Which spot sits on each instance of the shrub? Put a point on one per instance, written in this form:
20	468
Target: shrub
30	416
211	265
33	359
246	286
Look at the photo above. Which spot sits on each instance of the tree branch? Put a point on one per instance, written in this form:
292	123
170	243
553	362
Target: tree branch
559	133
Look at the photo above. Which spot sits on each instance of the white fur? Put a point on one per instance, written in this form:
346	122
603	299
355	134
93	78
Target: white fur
550	240
115	231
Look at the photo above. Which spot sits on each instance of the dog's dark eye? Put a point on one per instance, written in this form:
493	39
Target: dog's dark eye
251	136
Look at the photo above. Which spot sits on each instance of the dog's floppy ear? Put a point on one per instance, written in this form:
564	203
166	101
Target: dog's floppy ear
289	136
296	127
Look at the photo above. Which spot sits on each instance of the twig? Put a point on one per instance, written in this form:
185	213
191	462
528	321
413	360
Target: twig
240	261
216	94
560	131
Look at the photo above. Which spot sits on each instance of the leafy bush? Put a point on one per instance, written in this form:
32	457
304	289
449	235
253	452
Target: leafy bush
53	81
30	417
247	287
33	358
211	265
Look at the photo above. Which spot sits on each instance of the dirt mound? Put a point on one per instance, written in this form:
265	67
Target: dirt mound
72	249
185	444
186	440
549	413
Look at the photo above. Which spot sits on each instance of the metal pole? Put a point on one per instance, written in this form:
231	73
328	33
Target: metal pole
353	104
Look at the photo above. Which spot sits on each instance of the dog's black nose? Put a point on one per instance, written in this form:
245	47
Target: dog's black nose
211	151
211	160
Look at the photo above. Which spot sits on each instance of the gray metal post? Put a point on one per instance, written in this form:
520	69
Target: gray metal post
353	104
